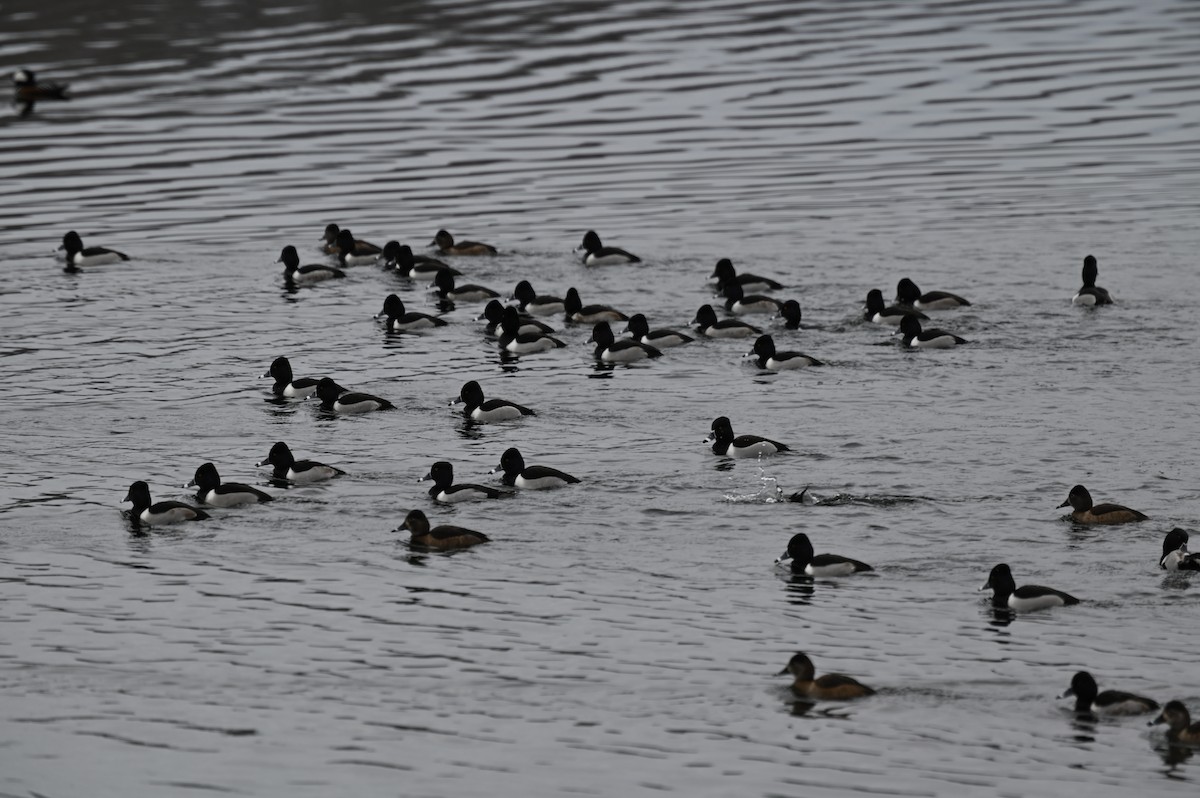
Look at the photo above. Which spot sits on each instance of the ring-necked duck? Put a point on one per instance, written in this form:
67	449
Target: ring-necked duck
223	494
1175	556
443	536
27	92
1091	294
286	466
639	328
493	312
724	442
875	311
353	252
336	399
1025	598
168	512
447	290
445	244
286	385
916	338
536	304
766	357
477	408
399	319
535	477
293	272
725	275
625	350
1088	698
596	254
707	324
800	559
739	303
1180	728
522	343
1084	512
907	293
789	311
444	490
828	687
79	255
400	257
589	314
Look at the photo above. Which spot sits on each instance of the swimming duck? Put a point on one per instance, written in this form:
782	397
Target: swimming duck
168	512
589	314
707	324
639	328
828	687
916	338
724	442
876	313
739	303
1088	698
1084	512
79	255
400	257
286	385
336	399
1091	294
536	304
286	466
27	92
521	343
479	409
596	254
223	494
353	252
1175	556
907	293
444	490
493	313
1179	722
294	273
535	477
725	275
800	559
443	537
625	350
445	244
766	357
789	311
448	290
398	319
1025	598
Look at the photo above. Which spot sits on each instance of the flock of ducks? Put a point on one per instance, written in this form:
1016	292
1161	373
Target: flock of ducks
519	331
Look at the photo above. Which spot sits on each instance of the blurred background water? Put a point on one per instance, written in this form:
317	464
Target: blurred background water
622	635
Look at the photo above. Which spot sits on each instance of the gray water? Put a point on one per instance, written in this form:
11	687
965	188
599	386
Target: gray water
621	636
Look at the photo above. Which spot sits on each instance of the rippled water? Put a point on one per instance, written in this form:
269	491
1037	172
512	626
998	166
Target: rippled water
621	636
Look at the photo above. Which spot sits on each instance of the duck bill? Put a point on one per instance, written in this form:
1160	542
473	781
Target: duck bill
1064	504
711	439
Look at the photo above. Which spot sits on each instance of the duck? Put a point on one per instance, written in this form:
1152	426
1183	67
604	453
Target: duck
535	477
907	293
589	314
523	343
707	324
596	254
625	350
766	357
639	328
27	92
739	303
154	513
800	559
443	537
286	385
916	338
493	313
445	491
330	245
1091	294
533	304
353	252
336	399
1084	512
400	258
1175	556
448	291
400	320
79	255
828	687
294	273
1180	728
445	244
790	312
1025	598
483	410
724	442
1110	702
287	467
876	313
725	275
223	494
